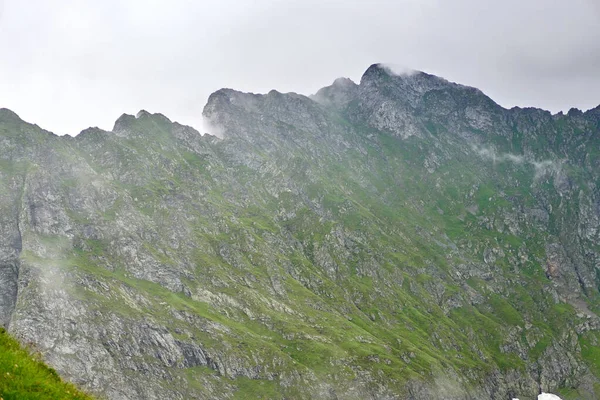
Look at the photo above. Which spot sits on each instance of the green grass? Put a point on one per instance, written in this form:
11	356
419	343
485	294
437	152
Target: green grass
590	351
23	376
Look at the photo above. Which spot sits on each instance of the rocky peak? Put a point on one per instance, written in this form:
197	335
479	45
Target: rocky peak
341	92
143	123
142	114
344	82
9	115
413	103
91	133
575	112
417	81
123	123
412	87
223	105
239	115
594	114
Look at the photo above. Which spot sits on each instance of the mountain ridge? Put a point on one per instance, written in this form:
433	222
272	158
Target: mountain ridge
391	246
382	67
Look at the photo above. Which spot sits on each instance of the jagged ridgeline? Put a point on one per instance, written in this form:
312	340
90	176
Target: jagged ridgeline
403	238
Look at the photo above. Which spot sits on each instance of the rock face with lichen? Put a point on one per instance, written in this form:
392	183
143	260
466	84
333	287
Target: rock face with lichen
401	238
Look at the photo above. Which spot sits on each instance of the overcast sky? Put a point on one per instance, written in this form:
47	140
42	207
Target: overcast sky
70	64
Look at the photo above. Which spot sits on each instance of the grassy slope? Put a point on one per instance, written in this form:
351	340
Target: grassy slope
24	377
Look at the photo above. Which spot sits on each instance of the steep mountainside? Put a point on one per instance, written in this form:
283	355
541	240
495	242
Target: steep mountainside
405	237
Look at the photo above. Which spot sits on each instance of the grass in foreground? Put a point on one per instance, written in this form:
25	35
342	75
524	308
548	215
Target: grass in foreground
23	377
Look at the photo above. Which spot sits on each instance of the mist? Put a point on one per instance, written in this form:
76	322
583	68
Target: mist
541	167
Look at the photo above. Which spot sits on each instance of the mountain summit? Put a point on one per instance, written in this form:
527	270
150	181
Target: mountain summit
401	238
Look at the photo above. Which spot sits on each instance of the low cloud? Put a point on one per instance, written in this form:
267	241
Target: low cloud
542	168
547	167
211	128
399	70
491	154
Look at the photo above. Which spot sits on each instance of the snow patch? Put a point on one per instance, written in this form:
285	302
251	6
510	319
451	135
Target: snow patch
548	396
545	396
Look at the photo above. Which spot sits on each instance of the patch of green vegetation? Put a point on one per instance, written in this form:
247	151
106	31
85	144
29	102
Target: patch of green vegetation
505	311
23	376
575	394
590	351
257	389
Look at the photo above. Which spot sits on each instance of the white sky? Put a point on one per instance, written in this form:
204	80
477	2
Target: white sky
70	64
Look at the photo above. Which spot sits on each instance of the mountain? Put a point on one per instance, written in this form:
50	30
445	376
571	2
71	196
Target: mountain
401	238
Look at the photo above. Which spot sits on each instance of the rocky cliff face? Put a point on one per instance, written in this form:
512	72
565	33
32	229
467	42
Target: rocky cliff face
405	237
